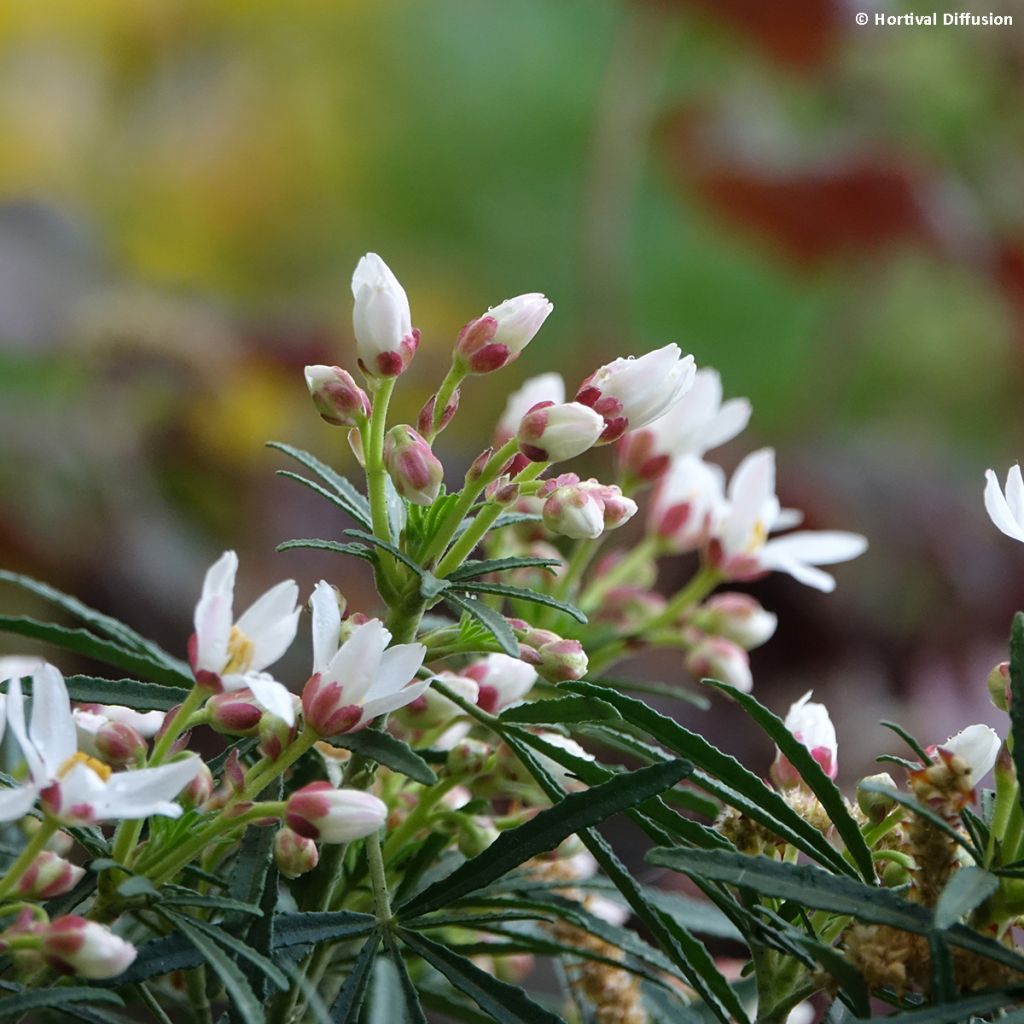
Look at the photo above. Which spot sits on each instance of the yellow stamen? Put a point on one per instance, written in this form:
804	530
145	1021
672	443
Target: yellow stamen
758	537
101	769
240	652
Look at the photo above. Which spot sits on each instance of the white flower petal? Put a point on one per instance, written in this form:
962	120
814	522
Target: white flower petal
138	794
730	420
355	664
398	665
751	488
1015	493
212	621
274	696
270	623
999	510
979	746
16	719
16	803
393	701
326	625
52	731
816	547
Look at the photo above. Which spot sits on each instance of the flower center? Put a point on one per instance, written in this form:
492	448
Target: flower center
758	535
240	652
100	769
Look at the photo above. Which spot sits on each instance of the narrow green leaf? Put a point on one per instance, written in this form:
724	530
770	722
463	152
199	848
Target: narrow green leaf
492	621
522	594
507	1004
812	887
320	926
1017	699
132	693
562	709
962	1009
345	1009
252	864
388	751
316	1008
159	957
387	1002
413	1008
431	586
348	496
248	1007
811	772
57	995
723	776
81	641
337	546
577	811
477	567
174	898
968	888
908	738
384	545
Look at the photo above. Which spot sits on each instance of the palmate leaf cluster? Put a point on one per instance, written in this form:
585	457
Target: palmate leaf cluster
252	932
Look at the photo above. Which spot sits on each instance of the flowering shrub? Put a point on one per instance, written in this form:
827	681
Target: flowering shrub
415	828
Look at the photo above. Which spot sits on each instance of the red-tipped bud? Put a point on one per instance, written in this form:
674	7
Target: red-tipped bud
73	945
721	659
275	735
234	714
495	339
385	337
49	876
999	686
337	397
319	811
503	491
414	469
554	433
119	744
738	617
425	420
234	773
294	855
199	790
640	457
476	468
502	681
471	758
629	607
585	509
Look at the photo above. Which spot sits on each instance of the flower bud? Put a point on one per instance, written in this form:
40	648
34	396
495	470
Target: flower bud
112	742
414	469
643	575
471	758
560	661
738	617
630	393
385	337
639	457
425	420
199	790
319	811
628	607
547	387
475	835
876	805
685	504
337	397
431	708
721	659
73	945
811	725
275	735
60	842
999	686
584	509
554	433
495	339
294	855
49	876
235	713
502	681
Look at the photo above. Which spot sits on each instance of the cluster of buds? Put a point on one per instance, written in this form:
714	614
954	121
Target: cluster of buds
115	735
583	509
556	659
414	469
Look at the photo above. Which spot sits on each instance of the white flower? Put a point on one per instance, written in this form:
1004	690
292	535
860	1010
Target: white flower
519	319
75	788
232	657
381	318
687	503
695	425
74	945
146	723
502	680
978	746
546	387
554	433
809	723
354	682
718	658
319	811
753	512
1006	511
630	393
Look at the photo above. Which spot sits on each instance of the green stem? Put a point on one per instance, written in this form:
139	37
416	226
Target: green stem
692	594
25	859
1007	797
195	985
418	816
373	454
471	490
621	572
378	877
453	378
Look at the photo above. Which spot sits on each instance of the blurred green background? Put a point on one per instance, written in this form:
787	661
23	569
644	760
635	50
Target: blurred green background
829	215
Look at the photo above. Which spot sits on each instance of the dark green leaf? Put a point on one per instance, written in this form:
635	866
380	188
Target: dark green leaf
56	995
386	546
473	568
494	622
387	1001
908	738
723	776
174	898
522	594
962	1010
507	1004
673	690
137	886
385	749
337	546
577	811
252	864
132	693
347	496
1017	699
346	1007
248	1007
431	586
968	888
563	709
812	887
320	926
413	1009
161	956
811	772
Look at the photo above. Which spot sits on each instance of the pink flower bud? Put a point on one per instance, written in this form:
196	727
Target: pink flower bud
554	433
414	469
294	855
234	774
470	757
560	660
547	387
275	735
385	337
73	945
502	681
810	725
337	397
628	607
425	420
503	491
639	458
234	714
738	617
199	790
119	744
630	393
721	659
49	876
319	811
585	509
495	339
